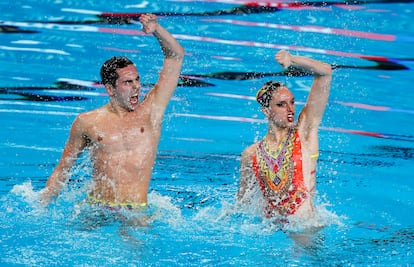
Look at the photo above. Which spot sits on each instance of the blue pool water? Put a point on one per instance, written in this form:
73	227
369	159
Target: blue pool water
50	54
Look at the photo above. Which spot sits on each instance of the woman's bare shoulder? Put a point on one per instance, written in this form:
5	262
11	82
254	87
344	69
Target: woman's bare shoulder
249	151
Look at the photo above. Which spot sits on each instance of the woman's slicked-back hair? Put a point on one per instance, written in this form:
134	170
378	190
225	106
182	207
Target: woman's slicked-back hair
108	69
264	95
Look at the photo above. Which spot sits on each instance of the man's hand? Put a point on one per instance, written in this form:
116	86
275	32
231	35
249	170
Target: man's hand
283	57
149	23
45	197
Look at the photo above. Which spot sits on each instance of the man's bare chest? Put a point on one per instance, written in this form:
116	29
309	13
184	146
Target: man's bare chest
111	136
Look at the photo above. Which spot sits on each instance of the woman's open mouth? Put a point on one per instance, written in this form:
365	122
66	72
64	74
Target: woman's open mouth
291	118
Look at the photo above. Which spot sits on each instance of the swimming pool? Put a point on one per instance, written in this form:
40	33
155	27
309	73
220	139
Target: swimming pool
51	52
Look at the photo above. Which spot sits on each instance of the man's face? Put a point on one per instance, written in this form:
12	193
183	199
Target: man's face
127	88
281	110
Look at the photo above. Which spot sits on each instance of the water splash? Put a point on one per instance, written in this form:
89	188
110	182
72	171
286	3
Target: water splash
29	199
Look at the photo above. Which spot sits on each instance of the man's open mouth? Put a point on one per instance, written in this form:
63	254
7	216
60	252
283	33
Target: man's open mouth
134	99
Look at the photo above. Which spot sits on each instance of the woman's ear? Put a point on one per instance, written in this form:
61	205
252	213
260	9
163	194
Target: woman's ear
266	111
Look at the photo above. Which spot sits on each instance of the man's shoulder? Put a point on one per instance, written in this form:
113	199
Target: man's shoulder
90	115
93	112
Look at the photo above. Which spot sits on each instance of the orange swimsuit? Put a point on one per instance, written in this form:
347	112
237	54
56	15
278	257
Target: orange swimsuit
280	175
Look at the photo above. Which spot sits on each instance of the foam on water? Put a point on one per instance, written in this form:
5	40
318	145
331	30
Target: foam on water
29	198
224	216
69	223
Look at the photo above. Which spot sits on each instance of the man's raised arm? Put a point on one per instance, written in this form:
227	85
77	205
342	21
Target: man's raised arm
173	58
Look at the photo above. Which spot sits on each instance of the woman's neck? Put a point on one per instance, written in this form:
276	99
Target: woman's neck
275	136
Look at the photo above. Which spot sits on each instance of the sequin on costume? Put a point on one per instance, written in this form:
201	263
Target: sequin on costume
280	175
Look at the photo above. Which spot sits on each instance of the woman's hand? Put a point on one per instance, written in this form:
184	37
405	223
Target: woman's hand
284	58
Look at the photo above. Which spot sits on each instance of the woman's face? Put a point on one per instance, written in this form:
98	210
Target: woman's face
281	110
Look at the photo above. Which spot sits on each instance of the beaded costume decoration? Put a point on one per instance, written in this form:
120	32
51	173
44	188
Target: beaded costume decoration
280	176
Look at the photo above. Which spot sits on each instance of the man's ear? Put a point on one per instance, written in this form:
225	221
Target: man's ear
109	89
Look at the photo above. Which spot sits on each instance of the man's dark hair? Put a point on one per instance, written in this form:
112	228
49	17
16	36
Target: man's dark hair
108	69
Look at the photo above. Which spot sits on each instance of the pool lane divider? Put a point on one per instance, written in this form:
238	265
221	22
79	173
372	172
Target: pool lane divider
56	93
345	104
398	137
276	5
392	62
374	107
36	97
128	18
317	29
83	89
73	85
242	76
246	7
290	47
